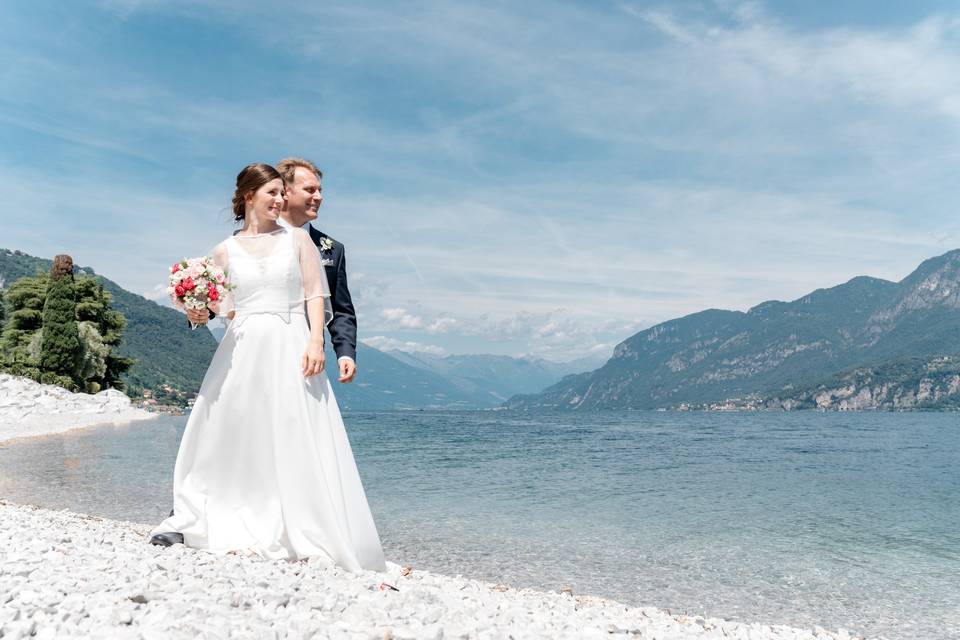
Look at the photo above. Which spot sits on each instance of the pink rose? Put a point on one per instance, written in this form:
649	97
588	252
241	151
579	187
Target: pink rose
212	294
176	268
179	291
188	284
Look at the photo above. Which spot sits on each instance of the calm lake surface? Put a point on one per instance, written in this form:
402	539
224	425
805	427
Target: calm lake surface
836	519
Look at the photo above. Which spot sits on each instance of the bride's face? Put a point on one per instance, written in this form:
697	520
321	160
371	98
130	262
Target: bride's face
265	203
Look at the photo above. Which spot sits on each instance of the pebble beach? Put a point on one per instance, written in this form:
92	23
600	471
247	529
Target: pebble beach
69	575
30	409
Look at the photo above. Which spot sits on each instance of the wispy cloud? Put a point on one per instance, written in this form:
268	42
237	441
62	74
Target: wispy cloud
909	67
542	178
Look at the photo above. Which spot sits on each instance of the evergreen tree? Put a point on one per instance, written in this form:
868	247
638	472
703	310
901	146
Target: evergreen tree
24	301
116	367
61	350
101	333
26	332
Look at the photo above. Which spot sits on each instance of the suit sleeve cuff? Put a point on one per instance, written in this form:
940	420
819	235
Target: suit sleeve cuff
346	358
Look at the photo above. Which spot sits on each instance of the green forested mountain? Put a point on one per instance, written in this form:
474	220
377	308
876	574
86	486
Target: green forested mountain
776	349
166	351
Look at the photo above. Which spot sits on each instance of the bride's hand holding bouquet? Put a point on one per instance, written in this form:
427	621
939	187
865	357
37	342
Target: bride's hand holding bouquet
196	286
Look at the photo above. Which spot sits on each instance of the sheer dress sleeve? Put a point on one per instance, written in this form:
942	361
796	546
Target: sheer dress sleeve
228	304
312	273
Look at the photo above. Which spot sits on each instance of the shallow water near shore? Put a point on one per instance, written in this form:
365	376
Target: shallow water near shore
838	520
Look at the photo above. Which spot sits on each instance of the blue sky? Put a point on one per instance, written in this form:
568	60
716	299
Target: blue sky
521	178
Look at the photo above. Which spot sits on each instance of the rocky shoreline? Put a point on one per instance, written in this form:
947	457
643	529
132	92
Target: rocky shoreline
69	575
30	409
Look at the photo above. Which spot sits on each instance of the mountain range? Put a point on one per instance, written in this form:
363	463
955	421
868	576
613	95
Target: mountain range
787	354
865	344
171	359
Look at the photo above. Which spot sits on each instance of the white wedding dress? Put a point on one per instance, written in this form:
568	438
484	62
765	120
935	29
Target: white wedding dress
264	465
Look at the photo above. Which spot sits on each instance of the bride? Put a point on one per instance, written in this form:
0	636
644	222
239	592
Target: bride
264	465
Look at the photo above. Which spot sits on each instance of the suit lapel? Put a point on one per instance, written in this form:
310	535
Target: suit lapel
315	235
331	269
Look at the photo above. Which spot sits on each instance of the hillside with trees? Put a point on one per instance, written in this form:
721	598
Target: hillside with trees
127	342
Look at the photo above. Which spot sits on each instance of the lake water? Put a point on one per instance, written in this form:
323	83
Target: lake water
836	519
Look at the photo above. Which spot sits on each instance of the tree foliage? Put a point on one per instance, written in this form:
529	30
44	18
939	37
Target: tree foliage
101	332
62	332
61	352
23	302
166	356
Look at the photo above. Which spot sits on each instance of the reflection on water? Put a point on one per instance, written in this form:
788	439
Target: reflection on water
841	520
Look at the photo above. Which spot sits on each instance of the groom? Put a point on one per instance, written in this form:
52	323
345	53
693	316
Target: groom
303	199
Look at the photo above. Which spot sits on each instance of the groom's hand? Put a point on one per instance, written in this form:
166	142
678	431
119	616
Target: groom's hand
348	370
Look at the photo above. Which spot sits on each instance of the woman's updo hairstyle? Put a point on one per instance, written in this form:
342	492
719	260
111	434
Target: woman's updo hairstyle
249	180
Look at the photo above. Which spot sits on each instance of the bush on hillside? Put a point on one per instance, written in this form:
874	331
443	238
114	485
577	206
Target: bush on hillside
23	370
49	377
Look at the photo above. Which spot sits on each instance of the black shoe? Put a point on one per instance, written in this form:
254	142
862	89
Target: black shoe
166	539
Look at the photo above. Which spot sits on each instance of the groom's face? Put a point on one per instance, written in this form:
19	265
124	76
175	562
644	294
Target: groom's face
303	196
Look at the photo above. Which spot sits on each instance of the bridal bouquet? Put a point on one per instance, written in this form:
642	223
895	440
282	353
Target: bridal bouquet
197	283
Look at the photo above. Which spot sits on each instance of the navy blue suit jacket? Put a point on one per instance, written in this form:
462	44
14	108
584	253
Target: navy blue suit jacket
343	327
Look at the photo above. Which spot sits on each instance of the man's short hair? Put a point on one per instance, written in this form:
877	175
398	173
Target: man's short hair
288	166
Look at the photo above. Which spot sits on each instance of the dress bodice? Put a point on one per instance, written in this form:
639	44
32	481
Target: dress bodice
274	272
266	273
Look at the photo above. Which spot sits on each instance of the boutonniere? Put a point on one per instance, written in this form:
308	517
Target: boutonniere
326	244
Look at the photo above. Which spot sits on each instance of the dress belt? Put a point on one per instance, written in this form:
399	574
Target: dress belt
283	314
